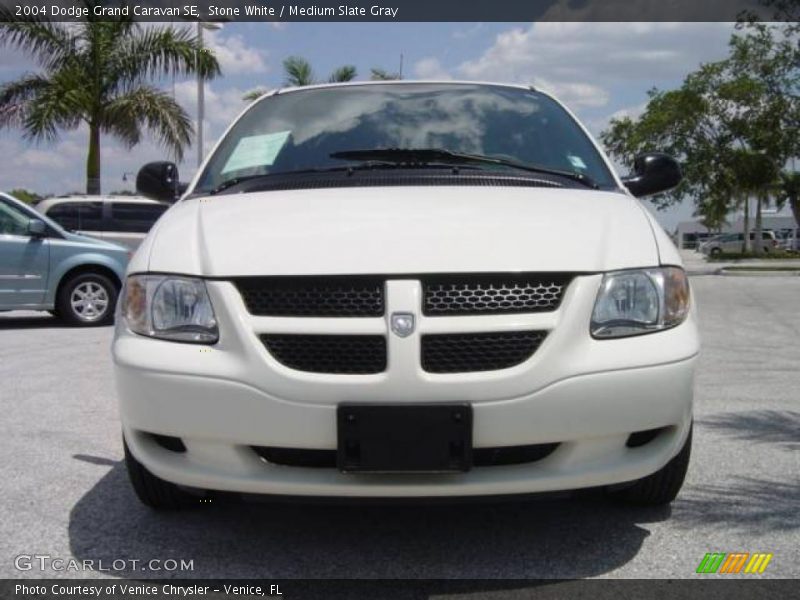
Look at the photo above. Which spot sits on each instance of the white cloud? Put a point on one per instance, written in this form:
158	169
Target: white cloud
581	60
430	68
462	34
234	55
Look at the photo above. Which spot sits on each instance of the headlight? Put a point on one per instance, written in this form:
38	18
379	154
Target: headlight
169	307
641	301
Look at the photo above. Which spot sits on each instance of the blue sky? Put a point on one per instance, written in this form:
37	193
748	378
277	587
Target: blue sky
598	69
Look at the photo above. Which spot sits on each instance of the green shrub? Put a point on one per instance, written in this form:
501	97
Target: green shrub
772	254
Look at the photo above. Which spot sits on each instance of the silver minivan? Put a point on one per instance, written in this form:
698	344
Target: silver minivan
43	267
122	220
734	243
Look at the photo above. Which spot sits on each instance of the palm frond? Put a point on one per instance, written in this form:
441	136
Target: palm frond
52	109
16	96
298	71
48	43
152	109
159	51
254	95
378	74
343	73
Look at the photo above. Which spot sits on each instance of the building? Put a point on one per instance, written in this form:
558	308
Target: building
690	234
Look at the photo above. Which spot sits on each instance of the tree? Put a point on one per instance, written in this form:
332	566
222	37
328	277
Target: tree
732	123
97	74
298	71
378	74
788	190
342	74
26	196
254	94
300	74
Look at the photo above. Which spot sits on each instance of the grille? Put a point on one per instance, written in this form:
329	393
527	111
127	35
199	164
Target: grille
312	296
481	457
339	354
487	294
464	353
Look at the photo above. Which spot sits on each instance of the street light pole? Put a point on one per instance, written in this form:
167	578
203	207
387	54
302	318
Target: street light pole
201	95
201	88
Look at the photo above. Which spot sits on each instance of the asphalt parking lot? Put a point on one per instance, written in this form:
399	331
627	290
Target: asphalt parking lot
65	491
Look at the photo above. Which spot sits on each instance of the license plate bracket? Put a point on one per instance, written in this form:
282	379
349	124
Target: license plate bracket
404	438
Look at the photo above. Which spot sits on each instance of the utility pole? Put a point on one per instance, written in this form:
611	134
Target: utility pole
201	88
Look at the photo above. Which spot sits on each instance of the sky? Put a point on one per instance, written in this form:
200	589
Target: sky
600	70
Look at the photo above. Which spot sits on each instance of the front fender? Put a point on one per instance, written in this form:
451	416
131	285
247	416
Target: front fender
115	262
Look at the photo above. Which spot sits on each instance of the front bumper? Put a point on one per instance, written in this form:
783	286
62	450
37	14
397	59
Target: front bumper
584	394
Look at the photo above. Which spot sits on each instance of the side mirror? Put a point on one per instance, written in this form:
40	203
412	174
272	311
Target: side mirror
159	181
653	173
36	228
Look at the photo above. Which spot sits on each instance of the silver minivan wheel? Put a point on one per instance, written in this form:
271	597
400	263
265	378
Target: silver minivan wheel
87	299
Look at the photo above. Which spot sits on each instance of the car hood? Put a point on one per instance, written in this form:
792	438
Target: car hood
395	230
90	242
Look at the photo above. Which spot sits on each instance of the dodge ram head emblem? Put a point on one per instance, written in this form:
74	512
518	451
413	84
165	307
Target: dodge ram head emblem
403	324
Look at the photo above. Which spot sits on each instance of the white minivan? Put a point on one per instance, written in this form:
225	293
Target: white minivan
365	292
123	220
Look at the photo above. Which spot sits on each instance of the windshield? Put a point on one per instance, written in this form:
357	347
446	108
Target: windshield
299	131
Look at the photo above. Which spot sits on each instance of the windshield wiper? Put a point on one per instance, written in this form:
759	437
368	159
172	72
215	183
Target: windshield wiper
366	165
413	156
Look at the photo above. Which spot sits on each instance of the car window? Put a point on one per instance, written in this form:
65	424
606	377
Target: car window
132	217
83	216
298	131
12	221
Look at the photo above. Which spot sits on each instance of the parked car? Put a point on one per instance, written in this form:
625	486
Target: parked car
366	292
734	243
123	220
44	267
790	240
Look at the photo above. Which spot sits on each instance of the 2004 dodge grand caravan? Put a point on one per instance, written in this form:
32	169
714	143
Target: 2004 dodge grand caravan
366	292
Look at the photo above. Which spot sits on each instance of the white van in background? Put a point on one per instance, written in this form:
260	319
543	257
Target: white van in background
123	220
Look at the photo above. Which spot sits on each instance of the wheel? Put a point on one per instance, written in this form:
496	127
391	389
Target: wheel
662	486
153	491
716	251
87	299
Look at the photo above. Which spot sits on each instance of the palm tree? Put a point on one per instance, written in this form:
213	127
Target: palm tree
344	73
789	191
299	72
96	73
254	94
378	74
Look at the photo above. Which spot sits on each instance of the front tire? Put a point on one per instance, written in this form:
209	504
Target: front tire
87	300
661	487
153	491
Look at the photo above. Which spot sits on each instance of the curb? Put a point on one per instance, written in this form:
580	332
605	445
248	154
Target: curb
757	273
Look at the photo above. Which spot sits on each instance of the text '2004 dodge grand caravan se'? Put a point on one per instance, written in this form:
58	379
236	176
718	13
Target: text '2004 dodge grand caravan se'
366	292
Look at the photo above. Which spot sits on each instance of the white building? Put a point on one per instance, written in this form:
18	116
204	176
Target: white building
691	233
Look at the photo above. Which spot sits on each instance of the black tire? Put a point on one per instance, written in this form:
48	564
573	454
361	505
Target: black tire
153	491
106	296
661	487
716	251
